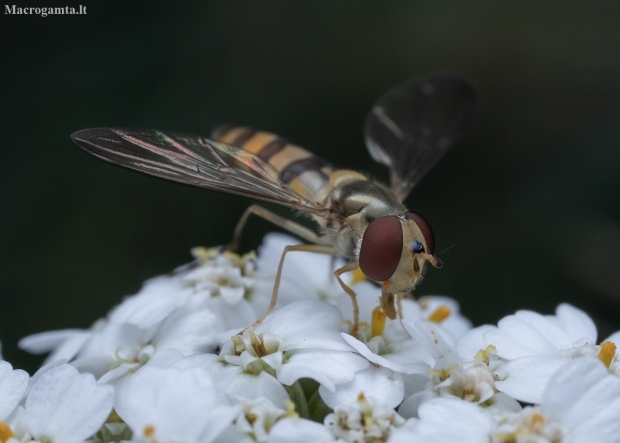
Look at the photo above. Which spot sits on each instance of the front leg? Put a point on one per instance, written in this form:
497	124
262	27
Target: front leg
356	311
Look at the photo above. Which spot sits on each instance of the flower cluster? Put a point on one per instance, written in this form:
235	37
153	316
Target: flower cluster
178	362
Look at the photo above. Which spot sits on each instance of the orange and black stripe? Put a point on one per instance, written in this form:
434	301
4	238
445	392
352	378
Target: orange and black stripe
301	170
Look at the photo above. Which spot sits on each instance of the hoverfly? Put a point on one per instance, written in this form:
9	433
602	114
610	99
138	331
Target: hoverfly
409	129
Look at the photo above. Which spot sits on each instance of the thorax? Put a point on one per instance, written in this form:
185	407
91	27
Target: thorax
358	201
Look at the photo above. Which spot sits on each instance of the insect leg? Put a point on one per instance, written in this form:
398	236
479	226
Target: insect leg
277	220
356	311
318	249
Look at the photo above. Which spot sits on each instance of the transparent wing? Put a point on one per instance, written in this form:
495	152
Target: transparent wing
413	125
193	160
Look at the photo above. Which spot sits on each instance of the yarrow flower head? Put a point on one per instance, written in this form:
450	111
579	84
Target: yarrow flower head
534	347
470	380
184	361
365	420
61	406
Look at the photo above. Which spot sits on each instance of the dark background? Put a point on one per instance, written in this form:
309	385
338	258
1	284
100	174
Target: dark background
529	197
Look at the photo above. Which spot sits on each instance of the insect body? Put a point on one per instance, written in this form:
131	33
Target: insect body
408	130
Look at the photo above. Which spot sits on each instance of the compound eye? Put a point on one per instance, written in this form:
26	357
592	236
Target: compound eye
425	228
382	246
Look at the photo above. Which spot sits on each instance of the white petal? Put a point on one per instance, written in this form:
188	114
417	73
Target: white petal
614	338
527	333
528	376
235	317
452	420
98	365
180	404
327	367
409	407
429	336
290	430
158	298
318	339
585	398
13	385
66	406
303	317
597	419
416	383
44	342
115	339
472	342
411	368
234	381
501	403
304	275
383	384
190	329
577	324
232	296
42	370
456	324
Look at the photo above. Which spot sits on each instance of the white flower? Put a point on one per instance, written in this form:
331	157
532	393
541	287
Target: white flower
13	385
473	381
365	420
170	405
580	404
387	344
253	423
210	294
119	349
301	340
382	341
384	385
223	278
535	346
63	406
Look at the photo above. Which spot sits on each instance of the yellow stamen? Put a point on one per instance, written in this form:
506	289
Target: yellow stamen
366	411
485	355
149	430
443	374
358	276
5	432
290	410
538	422
251	417
377	322
606	355
440	314
258	344
203	254
238	344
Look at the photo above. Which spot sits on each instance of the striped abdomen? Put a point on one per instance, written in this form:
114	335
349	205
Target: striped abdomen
301	170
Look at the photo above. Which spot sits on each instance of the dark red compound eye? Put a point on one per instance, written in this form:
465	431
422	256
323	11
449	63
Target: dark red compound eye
382	246
427	231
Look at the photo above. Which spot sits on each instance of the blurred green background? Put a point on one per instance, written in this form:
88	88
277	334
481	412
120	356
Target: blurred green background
529	198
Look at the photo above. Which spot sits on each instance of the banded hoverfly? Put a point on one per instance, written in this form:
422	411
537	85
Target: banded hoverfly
409	129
